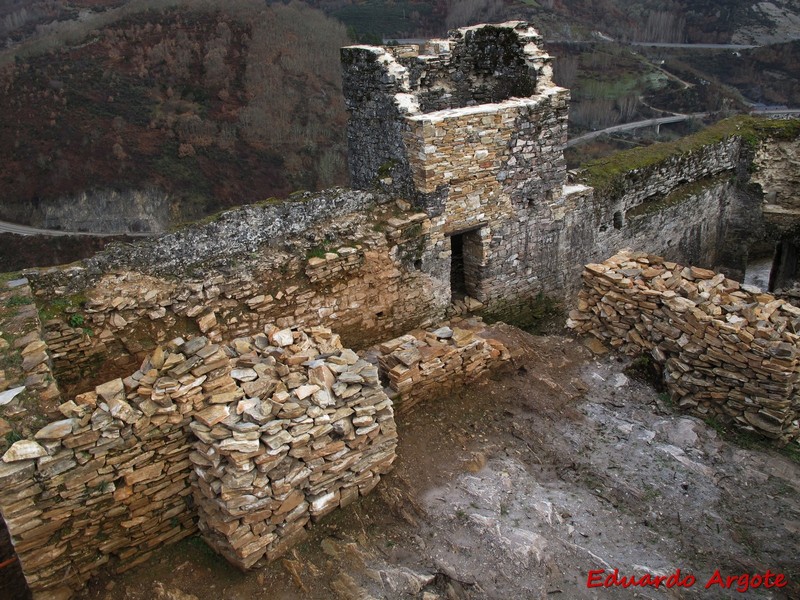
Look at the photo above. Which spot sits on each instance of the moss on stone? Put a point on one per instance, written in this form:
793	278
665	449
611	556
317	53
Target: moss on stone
607	174
677	196
58	307
385	170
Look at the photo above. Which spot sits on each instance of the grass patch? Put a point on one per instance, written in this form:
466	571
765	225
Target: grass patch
792	452
15	301
319	251
11	276
11	360
56	309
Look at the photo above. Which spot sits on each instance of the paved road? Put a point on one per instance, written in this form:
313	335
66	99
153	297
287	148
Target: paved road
634	125
788	112
673	119
610	41
695	46
6	227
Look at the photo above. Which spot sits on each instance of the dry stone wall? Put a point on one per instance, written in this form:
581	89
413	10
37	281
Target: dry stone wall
728	351
110	478
427	363
304	429
263	434
375	274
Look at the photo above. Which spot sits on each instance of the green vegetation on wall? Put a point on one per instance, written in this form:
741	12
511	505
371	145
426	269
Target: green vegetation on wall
606	174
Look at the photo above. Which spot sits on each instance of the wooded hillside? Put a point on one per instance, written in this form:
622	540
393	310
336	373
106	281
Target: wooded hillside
214	106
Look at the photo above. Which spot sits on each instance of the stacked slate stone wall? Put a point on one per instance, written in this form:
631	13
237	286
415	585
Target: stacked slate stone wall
375	273
304	429
263	434
110	478
727	351
425	364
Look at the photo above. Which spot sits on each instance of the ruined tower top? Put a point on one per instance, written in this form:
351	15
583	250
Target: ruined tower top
453	117
474	65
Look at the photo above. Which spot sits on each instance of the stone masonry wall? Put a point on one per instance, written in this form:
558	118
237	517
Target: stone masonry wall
727	351
376	274
263	434
475	65
389	92
423	364
306	428
694	207
490	161
110	478
777	171
492	167
662	177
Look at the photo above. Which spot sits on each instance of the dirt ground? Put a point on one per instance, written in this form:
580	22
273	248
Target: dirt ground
518	488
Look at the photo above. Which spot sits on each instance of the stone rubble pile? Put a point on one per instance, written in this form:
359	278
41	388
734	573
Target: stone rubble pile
425	364
295	427
464	306
728	350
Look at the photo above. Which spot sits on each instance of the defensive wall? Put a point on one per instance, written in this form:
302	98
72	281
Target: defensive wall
126	360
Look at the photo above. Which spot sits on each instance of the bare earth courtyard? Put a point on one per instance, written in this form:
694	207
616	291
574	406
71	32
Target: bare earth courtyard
562	464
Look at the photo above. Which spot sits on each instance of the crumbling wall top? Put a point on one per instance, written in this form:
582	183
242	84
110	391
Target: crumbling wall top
482	64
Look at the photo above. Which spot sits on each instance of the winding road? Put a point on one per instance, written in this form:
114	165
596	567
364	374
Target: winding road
634	125
774	112
6	227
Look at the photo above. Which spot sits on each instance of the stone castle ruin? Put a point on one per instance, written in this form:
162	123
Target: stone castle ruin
203	380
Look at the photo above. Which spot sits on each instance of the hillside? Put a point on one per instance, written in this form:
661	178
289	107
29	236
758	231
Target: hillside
188	105
137	115
767	75
715	21
695	21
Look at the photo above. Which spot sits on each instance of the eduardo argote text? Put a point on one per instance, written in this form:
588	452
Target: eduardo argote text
602	578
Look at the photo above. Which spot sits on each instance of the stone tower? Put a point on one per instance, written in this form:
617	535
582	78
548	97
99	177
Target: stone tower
471	130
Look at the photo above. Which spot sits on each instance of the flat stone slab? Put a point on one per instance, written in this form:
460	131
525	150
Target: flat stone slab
15	283
24	450
9	395
56	430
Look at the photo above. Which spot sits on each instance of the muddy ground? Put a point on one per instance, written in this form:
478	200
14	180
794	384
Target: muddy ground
517	488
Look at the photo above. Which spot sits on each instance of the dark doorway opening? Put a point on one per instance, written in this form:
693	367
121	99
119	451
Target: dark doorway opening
12	582
458	283
466	263
784	266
